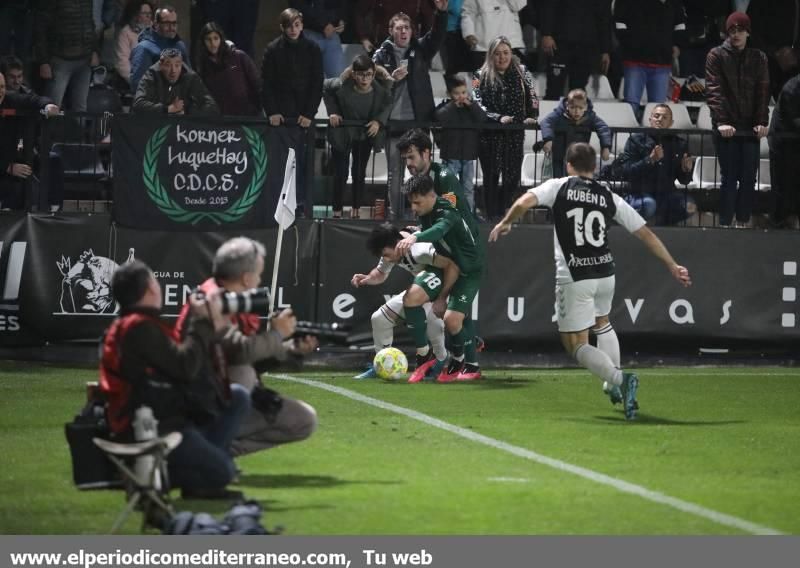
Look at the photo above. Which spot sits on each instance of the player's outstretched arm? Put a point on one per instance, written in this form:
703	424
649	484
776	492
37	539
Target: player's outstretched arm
374	277
655	246
525	202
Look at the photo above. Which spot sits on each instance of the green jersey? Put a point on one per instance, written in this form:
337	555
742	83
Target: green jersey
445	184
451	234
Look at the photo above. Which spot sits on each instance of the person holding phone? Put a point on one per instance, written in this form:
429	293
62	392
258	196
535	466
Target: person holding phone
408	60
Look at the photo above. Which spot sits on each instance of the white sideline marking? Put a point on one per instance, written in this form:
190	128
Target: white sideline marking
509	479
619	484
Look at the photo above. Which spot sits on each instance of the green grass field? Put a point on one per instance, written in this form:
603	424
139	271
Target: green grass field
715	451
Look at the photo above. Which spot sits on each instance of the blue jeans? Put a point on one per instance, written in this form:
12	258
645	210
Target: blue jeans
332	56
465	170
644	204
738	164
655	79
73	75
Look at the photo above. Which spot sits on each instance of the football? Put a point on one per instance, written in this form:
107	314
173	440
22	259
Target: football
390	363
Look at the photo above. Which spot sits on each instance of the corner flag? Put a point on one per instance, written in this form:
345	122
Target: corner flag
287	203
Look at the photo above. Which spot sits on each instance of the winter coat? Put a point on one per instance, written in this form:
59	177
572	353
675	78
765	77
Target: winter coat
563	131
233	82
487	19
457	143
737	86
291	75
786	116
12	128
319	13
647	29
578	22
127	40
148	51
634	165
419	54
155	93
338	97
64	29
372	21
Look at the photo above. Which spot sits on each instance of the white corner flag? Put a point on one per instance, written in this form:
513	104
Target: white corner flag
287	203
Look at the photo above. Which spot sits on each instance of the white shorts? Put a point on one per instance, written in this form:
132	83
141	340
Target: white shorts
393	308
578	304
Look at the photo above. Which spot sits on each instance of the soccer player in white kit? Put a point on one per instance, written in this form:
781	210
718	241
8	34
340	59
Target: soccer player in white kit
583	210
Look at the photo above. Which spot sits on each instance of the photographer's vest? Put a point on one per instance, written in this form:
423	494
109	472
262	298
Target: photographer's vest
119	391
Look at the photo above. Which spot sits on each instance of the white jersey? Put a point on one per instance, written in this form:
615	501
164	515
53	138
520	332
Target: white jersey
582	213
420	256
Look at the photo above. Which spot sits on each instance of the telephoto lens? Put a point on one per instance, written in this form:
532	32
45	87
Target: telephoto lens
255	301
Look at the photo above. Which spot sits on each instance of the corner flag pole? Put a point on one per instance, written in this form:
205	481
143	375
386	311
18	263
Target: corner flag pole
285	216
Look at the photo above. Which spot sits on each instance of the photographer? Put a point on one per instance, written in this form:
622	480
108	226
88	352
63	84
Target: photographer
273	419
144	365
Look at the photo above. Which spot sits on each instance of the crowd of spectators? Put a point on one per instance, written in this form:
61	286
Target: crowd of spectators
53	46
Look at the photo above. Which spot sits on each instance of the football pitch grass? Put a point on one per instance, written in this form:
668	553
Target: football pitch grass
526	451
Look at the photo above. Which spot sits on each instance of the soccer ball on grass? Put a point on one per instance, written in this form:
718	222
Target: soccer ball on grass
390	363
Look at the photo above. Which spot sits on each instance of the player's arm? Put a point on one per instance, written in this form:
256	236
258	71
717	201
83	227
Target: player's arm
657	248
432	234
374	278
522	204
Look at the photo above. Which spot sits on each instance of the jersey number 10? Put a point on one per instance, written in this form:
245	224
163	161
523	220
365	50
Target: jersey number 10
584	231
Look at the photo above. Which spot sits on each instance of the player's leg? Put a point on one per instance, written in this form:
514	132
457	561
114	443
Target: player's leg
383	321
607	340
426	287
435	330
461	331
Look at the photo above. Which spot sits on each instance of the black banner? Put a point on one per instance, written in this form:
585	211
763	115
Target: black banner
56	271
193	174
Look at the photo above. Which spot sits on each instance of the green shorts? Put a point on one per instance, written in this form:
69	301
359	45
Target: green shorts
463	293
431	281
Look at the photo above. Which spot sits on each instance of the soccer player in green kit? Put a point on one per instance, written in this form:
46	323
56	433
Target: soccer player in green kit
444	225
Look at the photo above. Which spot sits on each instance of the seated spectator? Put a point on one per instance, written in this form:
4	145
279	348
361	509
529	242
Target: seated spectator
170	87
152	41
143	364
137	17
228	73
650	163
374	19
66	48
14	169
783	153
459	148
357	97
323	22
573	121
482	21
13	70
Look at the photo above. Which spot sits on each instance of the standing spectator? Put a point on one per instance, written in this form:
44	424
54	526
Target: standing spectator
66	49
359	97
703	23
776	32
228	73
374	18
576	37
505	91
237	17
737	82
783	153
323	21
484	20
16	28
137	17
573	121
650	33
13	70
291	75
13	169
456	54
170	87
651	163
459	147
408	59
152	41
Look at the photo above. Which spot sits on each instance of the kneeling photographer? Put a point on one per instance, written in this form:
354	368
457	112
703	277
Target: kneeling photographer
273	419
143	364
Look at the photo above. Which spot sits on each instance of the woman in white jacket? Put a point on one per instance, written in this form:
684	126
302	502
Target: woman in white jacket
138	15
484	20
